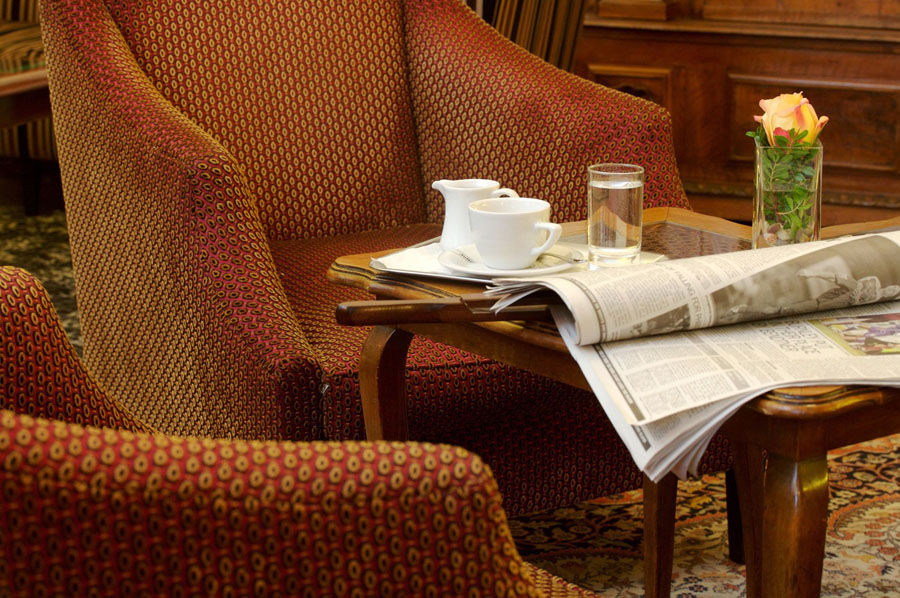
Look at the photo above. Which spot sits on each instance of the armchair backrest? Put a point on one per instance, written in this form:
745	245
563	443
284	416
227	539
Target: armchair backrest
339	113
309	96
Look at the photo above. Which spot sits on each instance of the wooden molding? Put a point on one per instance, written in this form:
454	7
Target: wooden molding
881	15
654	10
864	142
735	28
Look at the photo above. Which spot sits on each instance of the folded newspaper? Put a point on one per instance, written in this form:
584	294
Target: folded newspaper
733	326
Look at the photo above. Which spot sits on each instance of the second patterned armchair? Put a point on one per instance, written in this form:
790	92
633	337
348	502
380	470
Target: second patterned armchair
97	504
209	186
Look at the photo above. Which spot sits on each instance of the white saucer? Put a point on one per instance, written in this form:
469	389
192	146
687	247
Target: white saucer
466	260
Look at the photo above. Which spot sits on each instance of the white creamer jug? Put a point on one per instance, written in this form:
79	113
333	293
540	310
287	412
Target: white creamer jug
458	195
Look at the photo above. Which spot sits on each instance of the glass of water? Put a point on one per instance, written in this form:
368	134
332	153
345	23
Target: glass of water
615	208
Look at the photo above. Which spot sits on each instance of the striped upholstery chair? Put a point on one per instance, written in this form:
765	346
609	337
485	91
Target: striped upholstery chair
97	504
20	51
208	188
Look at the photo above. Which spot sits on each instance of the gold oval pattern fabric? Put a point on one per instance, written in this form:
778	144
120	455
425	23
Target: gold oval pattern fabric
309	97
486	107
41	374
102	512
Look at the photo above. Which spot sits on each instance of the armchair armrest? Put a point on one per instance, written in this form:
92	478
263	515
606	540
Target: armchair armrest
40	373
179	296
486	107
91	511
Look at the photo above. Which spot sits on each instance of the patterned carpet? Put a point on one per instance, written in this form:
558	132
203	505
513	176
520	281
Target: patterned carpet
597	544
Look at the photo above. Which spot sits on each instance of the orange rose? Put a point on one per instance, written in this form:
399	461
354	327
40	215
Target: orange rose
790	111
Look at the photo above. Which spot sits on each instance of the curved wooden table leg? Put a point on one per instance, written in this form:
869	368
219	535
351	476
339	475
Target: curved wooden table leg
749	472
794	521
382	383
659	535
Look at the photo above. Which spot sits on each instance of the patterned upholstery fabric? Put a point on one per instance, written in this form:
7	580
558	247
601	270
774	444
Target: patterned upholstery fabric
519	120
208	188
21	50
41	374
331	144
91	511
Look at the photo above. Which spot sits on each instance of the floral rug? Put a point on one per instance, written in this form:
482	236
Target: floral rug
597	544
40	244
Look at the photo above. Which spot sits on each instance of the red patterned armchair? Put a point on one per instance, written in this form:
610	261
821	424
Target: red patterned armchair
217	156
96	504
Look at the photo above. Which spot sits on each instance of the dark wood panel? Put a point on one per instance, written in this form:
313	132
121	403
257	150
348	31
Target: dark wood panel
845	13
864	124
711	77
642	9
650	83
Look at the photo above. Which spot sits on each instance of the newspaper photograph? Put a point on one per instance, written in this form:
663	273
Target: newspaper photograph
672	349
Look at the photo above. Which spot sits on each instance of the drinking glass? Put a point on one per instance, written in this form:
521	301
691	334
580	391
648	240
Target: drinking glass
615	208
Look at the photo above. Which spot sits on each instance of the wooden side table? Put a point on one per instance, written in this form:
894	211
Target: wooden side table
531	342
783	501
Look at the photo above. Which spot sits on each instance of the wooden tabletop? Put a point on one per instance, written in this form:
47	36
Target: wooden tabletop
535	345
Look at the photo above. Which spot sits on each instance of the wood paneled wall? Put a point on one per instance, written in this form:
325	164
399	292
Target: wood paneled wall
711	61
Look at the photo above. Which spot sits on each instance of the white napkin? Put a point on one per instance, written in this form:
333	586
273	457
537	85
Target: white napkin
421	259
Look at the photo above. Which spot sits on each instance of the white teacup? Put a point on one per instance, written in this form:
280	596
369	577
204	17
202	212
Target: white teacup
510	233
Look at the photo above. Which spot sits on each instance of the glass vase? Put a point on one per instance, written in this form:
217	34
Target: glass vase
788	199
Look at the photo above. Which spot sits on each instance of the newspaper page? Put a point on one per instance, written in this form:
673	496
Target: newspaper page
666	396
634	301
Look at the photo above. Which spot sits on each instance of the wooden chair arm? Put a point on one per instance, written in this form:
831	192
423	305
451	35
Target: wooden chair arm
464	308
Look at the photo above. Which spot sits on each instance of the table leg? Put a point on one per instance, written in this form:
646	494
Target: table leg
382	383
749	472
794	523
735	525
659	535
